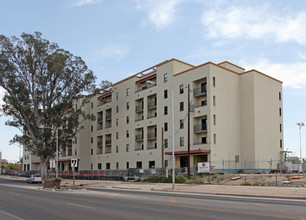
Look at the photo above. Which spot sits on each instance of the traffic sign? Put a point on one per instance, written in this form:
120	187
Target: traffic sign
74	162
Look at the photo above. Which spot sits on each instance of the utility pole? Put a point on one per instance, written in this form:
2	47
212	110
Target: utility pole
188	131
162	156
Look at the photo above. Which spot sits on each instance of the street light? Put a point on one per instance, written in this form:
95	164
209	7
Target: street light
56	158
300	124
172	103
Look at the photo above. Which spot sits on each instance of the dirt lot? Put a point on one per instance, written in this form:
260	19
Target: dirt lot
256	180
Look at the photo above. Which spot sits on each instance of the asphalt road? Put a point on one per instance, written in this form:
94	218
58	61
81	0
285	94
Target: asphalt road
19	200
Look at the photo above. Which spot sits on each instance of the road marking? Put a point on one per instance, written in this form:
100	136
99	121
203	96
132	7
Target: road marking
11	215
172	201
283	211
112	196
83	206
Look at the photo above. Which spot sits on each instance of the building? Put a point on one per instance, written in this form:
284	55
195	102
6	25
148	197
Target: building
2	161
236	120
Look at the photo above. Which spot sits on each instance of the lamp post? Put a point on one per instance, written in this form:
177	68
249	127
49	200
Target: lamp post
172	111
56	158
300	124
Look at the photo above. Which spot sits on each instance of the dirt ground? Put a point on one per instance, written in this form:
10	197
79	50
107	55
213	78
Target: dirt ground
256	180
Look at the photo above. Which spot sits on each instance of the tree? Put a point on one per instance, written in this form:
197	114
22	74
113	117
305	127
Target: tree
42	81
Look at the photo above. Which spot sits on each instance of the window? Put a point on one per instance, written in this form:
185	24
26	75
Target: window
91	128
75	152
127	165
204	140
139	164
76	140
166	77
181	106
181	123
165	94
166	110
280	127
166	143
117	148
166	163
280	111
280	96
91	166
117	122
117	108
214	81
214	118
214	100
127	92
127	147
155	145
91	140
92	105
127	119
127	133
91	151
76	106
99	166
181	141
127	105
108	166
166	126
280	143
117	135
181	88
151	164
215	139
117	95
117	165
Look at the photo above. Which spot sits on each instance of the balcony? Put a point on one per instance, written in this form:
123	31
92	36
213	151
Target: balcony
103	102
100	119
200	128
139	137
108	150
139	108
199	91
108	142
100	143
152	136
152	105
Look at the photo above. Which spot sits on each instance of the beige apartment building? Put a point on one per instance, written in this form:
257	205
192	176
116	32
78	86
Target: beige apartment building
236	121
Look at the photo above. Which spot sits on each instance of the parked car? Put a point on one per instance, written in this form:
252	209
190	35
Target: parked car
34	179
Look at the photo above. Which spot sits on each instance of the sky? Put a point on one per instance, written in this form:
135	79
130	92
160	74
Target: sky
118	38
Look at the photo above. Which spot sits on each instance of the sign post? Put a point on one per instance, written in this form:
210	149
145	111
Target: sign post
74	164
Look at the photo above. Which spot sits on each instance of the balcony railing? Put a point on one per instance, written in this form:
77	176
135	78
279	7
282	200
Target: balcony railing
103	102
152	105
108	142
99	128
152	136
108	150
200	128
100	119
139	137
100	143
139	108
199	91
108	117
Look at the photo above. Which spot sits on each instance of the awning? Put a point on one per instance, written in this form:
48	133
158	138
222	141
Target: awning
146	79
105	95
185	152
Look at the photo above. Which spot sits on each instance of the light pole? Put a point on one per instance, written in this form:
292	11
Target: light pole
301	124
56	158
172	111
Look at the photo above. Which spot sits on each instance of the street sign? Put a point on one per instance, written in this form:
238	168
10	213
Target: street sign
52	163
74	162
203	167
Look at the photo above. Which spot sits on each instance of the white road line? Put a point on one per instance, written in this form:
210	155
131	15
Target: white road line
11	215
83	206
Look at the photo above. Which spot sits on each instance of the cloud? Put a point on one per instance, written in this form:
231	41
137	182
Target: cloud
255	23
160	13
81	3
292	75
111	51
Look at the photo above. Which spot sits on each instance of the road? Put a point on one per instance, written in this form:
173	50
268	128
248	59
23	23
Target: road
19	201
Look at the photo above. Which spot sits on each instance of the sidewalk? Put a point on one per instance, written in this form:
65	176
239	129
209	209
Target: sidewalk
257	191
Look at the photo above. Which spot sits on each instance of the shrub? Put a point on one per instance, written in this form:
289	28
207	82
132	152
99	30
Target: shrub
180	179
152	179
196	180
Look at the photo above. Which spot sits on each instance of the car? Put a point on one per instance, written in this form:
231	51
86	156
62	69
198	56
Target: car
34	179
